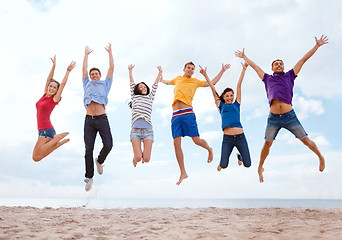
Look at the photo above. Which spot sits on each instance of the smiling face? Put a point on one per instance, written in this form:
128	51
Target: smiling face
142	88
95	75
52	89
228	97
189	70
278	66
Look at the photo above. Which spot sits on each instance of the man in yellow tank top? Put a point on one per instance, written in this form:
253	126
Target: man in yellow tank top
183	121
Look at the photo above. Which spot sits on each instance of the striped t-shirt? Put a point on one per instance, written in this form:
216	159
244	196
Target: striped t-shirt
142	104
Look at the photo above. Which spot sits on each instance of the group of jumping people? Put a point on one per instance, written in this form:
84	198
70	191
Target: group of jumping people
278	86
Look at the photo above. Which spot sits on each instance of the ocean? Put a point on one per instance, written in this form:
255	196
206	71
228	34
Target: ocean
105	203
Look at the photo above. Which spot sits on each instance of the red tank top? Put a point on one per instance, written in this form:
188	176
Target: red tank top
44	106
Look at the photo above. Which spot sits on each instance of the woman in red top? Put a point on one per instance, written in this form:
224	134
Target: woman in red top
48	141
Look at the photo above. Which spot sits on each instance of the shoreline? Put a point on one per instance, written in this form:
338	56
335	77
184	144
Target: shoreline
109	203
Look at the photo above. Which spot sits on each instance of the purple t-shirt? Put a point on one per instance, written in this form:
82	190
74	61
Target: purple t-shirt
280	86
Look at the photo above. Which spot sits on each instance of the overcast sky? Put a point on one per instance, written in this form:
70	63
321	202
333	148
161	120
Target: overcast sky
170	33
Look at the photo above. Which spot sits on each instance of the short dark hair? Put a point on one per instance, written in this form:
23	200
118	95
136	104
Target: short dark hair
224	92
276	61
189	63
137	90
94	69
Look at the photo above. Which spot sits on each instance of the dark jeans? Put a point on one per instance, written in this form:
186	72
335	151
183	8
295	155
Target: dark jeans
92	125
229	142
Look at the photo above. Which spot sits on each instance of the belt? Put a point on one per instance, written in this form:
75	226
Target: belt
182	112
233	136
96	116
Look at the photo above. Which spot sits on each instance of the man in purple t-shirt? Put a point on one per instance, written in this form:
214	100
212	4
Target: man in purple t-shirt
279	89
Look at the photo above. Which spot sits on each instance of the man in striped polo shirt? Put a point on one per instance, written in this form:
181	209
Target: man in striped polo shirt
183	121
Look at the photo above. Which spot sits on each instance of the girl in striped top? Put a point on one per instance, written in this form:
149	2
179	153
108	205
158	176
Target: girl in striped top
141	104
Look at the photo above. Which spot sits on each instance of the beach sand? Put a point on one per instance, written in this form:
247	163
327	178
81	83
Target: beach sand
169	223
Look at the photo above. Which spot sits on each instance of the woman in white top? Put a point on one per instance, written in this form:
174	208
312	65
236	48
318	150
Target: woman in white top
141	104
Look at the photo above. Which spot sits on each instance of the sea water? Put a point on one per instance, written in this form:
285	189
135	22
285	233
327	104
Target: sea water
100	203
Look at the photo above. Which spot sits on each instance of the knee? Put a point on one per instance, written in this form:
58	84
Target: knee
108	146
267	144
177	143
224	165
36	158
89	151
146	159
247	165
196	140
306	141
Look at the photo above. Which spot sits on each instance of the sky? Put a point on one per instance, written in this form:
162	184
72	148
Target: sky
169	33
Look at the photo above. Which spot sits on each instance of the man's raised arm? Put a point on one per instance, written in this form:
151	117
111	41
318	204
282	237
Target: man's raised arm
111	61
87	51
256	68
319	42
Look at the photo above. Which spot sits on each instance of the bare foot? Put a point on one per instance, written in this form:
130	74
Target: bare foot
62	142
134	162
60	136
219	168
210	155
321	164
239	161
260	171
181	178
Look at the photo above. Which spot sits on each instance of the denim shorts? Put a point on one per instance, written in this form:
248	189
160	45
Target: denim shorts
183	123
288	121
142	134
47	133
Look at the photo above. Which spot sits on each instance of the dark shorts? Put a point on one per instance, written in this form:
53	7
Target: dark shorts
288	121
47	133
183	123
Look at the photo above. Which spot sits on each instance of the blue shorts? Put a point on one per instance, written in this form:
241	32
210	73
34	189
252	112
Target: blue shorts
47	133
141	134
183	123
288	121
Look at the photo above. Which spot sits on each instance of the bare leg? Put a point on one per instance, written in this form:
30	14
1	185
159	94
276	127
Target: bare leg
263	155
147	150
45	146
180	158
313	147
136	144
201	142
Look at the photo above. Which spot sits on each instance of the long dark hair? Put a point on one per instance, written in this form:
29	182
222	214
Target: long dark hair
224	92
137	91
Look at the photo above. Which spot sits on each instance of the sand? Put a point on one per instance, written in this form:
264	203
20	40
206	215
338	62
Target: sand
169	223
